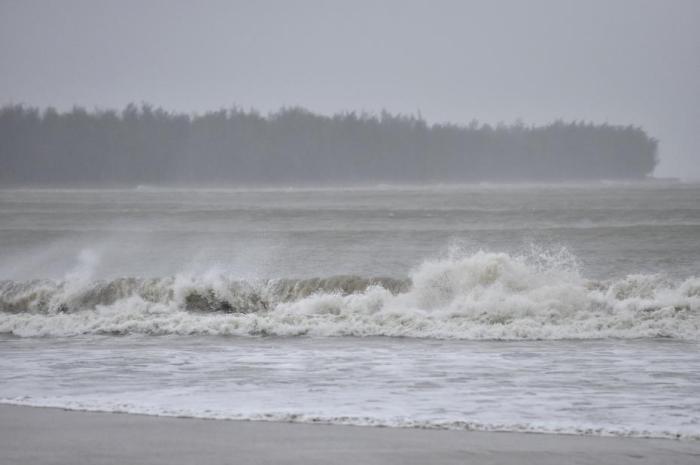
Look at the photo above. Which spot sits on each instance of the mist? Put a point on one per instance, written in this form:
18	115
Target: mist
617	62
146	145
426	229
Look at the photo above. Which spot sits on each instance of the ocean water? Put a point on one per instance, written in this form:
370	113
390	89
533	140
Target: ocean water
560	309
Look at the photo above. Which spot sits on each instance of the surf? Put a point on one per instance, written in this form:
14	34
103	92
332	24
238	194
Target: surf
482	295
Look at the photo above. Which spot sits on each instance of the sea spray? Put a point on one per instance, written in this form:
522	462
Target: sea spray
481	295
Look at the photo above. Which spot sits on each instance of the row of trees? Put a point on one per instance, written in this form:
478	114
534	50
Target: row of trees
294	146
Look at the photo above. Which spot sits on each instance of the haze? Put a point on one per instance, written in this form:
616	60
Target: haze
623	62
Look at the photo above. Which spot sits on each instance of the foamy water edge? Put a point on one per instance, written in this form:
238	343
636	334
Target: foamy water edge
398	422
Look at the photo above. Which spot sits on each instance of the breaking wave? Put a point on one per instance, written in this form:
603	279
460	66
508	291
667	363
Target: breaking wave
479	296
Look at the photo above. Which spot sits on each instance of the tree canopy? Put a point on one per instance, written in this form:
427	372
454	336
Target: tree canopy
143	144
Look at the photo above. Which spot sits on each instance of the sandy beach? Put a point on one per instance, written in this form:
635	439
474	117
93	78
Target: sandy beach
38	436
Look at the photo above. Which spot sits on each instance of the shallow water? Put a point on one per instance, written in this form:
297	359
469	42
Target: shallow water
636	387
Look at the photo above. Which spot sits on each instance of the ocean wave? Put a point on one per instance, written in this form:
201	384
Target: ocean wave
394	422
483	295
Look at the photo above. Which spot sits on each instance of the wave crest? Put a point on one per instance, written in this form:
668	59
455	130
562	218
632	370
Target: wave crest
478	296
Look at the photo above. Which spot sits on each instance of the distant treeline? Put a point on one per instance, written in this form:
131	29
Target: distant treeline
294	146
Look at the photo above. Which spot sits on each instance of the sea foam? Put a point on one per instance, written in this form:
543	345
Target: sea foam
483	295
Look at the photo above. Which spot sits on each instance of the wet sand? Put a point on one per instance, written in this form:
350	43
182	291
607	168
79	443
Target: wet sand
39	436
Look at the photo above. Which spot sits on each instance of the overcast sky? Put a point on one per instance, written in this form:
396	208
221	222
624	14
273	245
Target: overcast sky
628	62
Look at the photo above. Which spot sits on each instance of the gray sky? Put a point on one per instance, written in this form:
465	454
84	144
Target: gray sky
634	61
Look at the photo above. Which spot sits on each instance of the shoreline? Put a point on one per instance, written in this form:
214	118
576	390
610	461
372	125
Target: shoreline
367	422
47	435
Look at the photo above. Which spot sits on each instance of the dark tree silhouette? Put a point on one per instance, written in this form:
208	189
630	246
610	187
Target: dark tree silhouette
294	146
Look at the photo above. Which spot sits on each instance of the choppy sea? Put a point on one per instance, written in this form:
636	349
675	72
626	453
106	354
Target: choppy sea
549	308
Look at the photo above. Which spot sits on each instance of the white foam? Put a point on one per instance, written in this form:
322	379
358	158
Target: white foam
478	296
349	420
602	387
